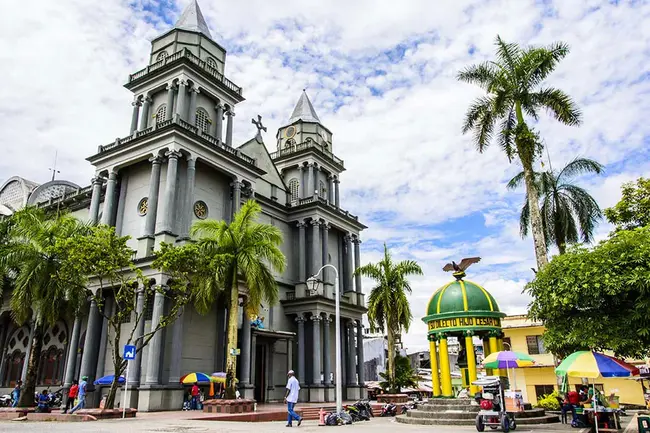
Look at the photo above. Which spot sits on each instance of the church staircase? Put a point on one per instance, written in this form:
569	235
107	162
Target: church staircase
460	411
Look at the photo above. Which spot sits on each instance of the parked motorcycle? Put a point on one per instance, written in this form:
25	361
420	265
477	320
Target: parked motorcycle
5	400
365	410
409	406
388	409
353	411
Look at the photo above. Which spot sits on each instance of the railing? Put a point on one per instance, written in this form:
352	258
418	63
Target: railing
291	296
323	200
186	126
67	195
185	53
291	149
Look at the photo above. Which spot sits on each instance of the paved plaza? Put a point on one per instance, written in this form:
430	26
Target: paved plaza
163	422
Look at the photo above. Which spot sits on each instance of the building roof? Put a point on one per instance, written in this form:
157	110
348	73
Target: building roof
519	321
462	297
304	110
192	19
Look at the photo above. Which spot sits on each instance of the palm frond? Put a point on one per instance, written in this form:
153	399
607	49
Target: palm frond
580	166
508	54
541	62
559	104
516	181
483	75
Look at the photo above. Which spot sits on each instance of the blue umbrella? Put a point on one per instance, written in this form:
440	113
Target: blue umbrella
107	380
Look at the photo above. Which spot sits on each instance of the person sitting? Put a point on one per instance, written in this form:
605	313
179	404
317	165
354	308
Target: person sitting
43	402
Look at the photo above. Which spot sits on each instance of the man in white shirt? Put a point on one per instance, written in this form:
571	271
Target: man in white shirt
291	398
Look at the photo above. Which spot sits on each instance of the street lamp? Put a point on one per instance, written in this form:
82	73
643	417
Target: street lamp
312	285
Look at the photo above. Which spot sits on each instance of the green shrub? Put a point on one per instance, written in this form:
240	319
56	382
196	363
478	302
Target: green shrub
549	402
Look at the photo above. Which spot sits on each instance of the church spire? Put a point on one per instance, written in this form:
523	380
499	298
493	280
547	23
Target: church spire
192	19
304	110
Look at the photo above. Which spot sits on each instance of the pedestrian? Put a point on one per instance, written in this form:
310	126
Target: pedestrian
81	395
196	394
15	394
291	398
43	402
72	395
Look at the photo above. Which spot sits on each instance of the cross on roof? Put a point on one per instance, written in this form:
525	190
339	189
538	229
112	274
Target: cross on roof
258	125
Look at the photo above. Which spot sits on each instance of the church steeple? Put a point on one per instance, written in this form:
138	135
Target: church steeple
304	110
192	19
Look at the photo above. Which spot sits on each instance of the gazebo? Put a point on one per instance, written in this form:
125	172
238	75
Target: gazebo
461	309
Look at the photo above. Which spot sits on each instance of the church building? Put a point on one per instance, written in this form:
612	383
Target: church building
178	164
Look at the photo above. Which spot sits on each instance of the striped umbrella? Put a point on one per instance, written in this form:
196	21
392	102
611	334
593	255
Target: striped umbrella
197	378
507	359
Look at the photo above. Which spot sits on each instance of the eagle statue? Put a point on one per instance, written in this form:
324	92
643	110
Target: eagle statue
459	268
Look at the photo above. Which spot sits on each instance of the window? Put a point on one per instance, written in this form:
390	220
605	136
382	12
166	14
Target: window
161	113
290	144
542	390
506	344
161	56
14	368
203	120
322	190
211	62
51	367
293	189
535	345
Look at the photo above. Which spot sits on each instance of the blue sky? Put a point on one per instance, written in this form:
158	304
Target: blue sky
382	78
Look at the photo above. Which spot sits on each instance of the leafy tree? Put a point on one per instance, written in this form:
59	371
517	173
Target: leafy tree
597	299
106	257
569	213
405	376
243	251
388	306
42	288
514	87
634	208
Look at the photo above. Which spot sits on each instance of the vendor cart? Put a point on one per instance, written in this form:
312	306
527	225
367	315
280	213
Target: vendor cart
491	399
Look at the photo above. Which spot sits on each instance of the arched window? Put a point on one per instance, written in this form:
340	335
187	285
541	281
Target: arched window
161	113
203	120
211	62
14	368
322	190
161	56
293	189
50	371
290	145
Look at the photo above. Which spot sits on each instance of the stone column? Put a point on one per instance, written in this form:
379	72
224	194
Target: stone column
169	112
236	197
91	344
316	356
155	344
435	373
245	348
182	94
192	112
134	369
289	354
360	361
170	191
310	182
302	252
103	340
73	347
349	277
177	349
152	200
218	131
231	117
337	201
316	248
134	117
301	185
327	271
28	352
144	120
357	263
94	201
109	199
301	348
189	198
327	369
330	192
352	377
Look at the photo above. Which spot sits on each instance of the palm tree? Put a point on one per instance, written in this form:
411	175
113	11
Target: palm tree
514	87
243	251
569	213
388	306
34	259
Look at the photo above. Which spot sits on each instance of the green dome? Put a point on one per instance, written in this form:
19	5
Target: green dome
459	298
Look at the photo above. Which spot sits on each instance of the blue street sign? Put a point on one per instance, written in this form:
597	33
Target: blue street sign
129	352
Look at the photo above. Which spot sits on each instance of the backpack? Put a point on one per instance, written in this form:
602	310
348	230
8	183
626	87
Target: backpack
332	419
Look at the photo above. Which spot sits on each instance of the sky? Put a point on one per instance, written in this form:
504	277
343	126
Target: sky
382	77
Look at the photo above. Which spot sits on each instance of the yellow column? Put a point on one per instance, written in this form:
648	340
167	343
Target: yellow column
494	347
445	371
502	372
486	352
435	374
471	363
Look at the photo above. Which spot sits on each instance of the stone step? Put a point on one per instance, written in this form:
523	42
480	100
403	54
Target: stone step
441	415
406	419
442	408
531	413
449	401
546	419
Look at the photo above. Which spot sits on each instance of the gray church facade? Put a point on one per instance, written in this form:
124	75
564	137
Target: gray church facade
178	164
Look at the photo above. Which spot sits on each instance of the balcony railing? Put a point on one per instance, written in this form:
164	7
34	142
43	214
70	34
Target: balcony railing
323	201
178	57
187	127
295	148
74	194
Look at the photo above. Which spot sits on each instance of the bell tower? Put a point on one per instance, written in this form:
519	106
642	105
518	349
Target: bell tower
305	156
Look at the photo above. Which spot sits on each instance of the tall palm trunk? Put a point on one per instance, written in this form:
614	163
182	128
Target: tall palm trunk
27	394
560	241
231	359
391	358
526	156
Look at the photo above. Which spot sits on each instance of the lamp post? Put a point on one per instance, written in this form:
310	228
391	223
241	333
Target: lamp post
312	285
